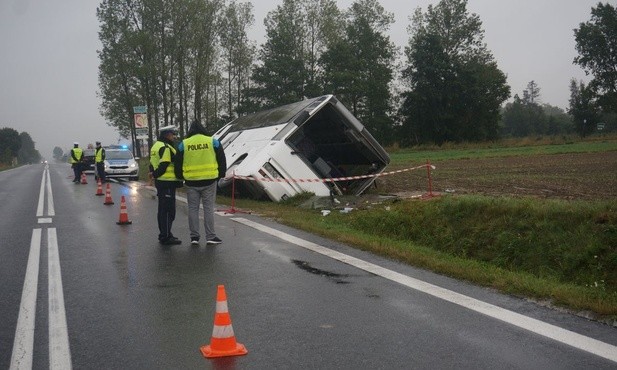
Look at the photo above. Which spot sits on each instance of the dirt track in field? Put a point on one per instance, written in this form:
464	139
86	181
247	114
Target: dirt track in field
579	176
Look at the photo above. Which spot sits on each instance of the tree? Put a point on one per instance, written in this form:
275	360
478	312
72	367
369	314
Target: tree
9	145
454	88
324	22
162	54
559	121
58	153
297	33
525	117
358	67
27	153
237	53
120	68
531	94
596	44
282	74
583	108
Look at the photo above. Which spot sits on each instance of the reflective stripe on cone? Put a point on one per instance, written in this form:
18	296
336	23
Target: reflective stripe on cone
223	341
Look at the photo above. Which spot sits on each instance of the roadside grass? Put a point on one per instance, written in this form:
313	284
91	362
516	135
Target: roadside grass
551	251
556	252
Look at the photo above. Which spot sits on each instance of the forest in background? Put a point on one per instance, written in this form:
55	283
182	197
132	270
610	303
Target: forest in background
193	60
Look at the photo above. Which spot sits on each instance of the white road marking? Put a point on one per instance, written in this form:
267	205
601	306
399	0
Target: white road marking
50	197
23	345
59	351
45	185
41	205
568	337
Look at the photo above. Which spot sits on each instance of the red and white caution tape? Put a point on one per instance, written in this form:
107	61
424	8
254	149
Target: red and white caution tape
251	178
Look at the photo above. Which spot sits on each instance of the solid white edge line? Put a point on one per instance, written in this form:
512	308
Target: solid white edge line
59	351
50	197
39	208
568	337
23	345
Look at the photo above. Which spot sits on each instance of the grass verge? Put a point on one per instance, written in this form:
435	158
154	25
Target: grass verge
552	251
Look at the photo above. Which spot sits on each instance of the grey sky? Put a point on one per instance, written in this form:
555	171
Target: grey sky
48	60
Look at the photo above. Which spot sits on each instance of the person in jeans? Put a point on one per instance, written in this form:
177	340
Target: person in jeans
200	161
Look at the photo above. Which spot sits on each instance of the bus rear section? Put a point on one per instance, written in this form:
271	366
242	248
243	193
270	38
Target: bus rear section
313	146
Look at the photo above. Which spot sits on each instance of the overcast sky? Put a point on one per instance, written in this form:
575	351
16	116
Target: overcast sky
49	65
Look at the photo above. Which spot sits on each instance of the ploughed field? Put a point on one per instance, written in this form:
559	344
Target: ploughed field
573	176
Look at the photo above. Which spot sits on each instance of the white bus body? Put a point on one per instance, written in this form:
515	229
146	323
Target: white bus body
298	145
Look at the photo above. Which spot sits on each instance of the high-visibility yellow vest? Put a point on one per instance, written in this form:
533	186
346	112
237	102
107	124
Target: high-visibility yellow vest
98	158
156	159
199	158
78	154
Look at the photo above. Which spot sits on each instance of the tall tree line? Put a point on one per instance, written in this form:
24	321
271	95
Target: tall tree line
527	116
17	147
169	55
192	59
596	44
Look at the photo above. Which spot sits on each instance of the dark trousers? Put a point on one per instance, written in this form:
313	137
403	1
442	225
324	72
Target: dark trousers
166	191
77	172
100	171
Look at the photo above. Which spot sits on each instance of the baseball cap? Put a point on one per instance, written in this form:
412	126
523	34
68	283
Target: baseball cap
166	129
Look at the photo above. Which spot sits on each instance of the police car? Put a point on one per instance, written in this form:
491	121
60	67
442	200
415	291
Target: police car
120	163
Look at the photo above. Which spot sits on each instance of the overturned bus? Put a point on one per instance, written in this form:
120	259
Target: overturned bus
312	146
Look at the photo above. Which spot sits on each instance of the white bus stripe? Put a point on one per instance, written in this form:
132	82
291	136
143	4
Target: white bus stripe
21	357
59	351
568	337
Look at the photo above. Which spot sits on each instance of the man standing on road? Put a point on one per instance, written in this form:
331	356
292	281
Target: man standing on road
76	156
162	169
99	162
201	162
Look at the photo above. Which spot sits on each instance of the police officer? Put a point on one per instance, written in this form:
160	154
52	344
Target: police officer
75	159
162	169
99	161
200	161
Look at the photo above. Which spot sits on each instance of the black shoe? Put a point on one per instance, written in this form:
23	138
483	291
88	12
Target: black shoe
171	241
214	240
194	240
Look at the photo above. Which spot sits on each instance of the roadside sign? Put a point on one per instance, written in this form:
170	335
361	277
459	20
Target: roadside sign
140	109
141	132
141	120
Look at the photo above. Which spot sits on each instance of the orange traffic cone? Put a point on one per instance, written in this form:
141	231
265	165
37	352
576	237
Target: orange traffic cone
99	188
108	200
223	342
124	217
83	178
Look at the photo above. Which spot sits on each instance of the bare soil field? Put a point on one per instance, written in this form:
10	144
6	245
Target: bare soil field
575	176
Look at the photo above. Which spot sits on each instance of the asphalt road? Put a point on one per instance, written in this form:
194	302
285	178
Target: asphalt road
80	291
